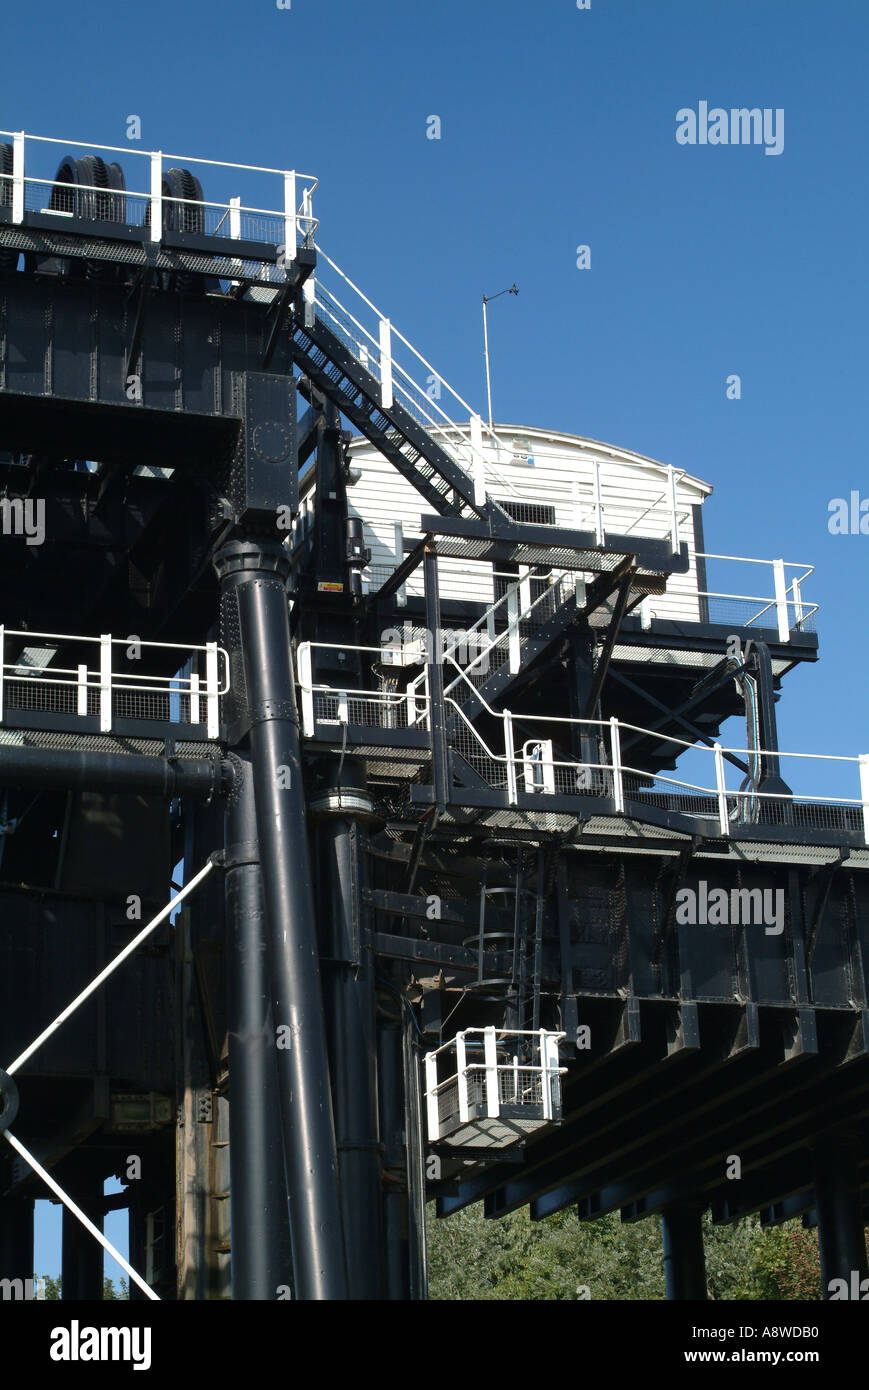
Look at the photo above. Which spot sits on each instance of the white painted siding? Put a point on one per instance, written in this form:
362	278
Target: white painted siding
634	494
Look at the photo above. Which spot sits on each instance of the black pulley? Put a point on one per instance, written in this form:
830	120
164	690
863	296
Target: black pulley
8	1101
183	211
91	189
88	190
187	215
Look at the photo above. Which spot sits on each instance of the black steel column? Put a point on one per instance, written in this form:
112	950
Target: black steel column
349	991
253	582
395	1194
437	716
16	1237
684	1259
261	1254
81	1273
841	1237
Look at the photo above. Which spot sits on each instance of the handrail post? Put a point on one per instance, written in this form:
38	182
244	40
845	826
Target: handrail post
462	1077
864	794
490	1054
511	765
105	683
308	217
600	535
674	514
156	203
513	639
431	1098
478	461
618	781
723	817
385	364
194	698
305	683
18	177
410	698
212	684
798	603
289	217
2	666
546	1072
781	601
81	698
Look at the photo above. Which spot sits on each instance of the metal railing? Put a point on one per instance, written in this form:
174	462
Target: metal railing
98	689
519	614
377	709
534	766
288	223
785	608
527	1078
447	417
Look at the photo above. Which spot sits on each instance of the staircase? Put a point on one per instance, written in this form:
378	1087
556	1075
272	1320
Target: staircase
427	465
512	632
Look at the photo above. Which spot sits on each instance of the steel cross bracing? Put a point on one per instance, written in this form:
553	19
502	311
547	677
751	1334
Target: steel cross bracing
52	1028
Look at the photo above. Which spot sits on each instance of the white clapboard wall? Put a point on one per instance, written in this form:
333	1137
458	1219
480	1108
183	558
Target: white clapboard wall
550	472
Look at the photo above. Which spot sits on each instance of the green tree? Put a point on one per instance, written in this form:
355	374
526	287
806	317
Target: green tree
562	1258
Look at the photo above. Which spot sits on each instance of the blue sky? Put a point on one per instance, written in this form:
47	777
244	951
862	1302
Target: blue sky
558	129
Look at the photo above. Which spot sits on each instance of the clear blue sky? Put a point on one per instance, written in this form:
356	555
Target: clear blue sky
558	129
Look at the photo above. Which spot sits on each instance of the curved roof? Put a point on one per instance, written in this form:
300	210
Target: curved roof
614	451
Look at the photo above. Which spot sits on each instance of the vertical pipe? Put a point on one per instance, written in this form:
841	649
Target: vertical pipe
415	1166
396	1242
254	575
841	1237
261	1257
348	986
684	1259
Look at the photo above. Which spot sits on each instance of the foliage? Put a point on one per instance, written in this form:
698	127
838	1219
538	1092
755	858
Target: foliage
562	1258
52	1288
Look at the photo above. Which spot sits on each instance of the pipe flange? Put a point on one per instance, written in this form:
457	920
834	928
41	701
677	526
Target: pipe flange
8	1100
349	801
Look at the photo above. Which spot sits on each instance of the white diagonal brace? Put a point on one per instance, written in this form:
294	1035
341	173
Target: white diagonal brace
110	968
77	1211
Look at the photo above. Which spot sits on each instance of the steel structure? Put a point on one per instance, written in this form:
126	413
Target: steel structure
409	824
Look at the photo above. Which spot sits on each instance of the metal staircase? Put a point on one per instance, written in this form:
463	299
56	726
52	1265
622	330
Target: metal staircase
338	373
507	638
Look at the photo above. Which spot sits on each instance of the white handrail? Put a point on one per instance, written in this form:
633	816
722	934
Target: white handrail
79	679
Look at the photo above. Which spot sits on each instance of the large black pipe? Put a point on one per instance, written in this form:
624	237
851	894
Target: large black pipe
349	991
113	772
253	583
261	1255
396	1235
684	1259
841	1237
